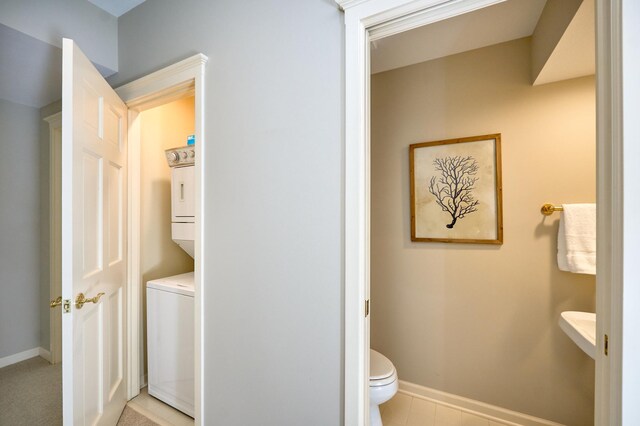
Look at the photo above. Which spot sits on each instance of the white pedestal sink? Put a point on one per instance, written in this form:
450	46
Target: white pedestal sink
581	328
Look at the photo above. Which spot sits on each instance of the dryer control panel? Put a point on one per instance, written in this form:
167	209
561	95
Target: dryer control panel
181	156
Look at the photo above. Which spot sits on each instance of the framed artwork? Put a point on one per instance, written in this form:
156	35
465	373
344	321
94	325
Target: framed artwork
456	190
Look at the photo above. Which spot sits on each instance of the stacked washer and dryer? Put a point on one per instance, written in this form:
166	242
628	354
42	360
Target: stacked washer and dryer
170	300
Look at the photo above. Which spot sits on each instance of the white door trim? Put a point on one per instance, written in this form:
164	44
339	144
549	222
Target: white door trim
173	82
373	19
55	261
610	223
618	294
626	21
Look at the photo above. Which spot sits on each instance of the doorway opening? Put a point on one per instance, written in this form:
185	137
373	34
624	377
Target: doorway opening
179	82
451	314
166	357
369	22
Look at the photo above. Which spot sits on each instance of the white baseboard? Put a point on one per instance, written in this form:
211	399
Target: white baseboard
471	406
44	354
21	356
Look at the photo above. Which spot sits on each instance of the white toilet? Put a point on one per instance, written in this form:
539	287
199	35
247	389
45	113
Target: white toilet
383	384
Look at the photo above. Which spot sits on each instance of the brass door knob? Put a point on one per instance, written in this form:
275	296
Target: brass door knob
81	300
55	302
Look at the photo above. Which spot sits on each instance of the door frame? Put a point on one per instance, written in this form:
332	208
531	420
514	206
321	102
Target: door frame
185	78
55	235
368	20
618	233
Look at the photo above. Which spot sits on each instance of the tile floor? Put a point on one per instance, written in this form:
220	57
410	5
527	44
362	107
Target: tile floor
405	410
158	411
130	417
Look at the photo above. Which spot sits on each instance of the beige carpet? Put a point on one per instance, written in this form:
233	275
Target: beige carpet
131	417
31	393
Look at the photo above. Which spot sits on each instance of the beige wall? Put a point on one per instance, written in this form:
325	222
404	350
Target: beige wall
480	321
164	127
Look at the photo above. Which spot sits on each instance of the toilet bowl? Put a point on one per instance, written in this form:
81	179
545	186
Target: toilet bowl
383	384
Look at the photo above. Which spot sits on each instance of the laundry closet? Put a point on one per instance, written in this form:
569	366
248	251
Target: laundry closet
167	222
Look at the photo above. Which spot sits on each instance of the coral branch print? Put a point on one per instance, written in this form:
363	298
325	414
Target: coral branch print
454	188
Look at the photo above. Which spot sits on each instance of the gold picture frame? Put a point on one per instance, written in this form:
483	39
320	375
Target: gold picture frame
456	190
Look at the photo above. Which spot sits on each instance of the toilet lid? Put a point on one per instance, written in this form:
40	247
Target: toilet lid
379	366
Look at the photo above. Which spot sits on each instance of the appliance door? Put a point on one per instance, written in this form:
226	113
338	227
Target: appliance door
170	348
183	201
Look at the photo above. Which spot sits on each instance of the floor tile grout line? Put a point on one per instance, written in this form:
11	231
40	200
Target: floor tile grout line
406	420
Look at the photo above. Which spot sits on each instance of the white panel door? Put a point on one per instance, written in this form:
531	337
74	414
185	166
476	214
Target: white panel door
94	225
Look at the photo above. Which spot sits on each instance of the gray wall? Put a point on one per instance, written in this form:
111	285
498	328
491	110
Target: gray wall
19	228
274	93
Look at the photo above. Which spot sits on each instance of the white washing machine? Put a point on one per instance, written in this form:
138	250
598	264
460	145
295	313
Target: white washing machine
170	341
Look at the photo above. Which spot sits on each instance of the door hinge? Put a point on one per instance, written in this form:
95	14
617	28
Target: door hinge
66	306
366	308
606	345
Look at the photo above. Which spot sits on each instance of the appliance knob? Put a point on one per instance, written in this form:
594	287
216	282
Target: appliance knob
184	154
192	153
174	156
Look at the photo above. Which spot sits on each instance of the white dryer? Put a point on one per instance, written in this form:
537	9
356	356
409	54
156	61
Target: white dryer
170	340
183	196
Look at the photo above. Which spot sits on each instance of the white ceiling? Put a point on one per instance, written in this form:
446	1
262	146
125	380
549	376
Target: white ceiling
575	54
117	7
31	69
34	79
502	22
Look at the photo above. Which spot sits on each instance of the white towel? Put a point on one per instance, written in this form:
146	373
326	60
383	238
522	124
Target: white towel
577	239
